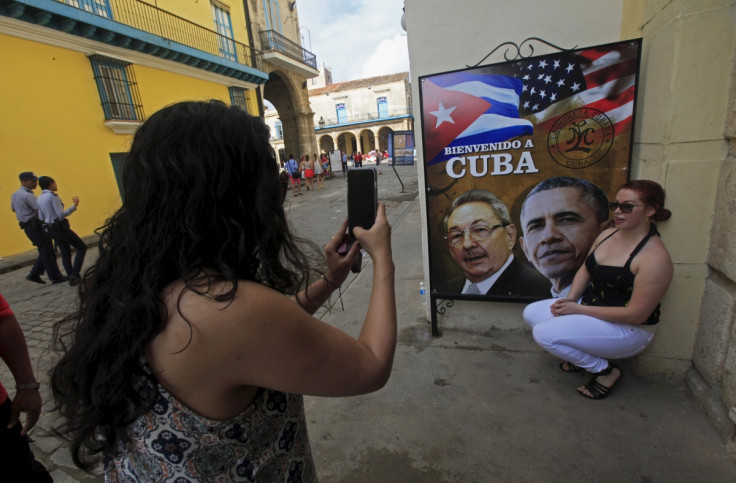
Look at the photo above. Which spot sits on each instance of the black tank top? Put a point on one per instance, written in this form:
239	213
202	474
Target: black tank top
612	286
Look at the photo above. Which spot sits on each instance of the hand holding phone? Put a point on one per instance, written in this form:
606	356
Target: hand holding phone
362	205
337	255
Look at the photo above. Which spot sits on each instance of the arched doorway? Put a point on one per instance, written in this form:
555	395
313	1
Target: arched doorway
326	144
383	135
347	143
367	141
296	117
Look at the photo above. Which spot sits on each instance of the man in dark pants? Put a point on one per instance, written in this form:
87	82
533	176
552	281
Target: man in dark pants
53	216
23	203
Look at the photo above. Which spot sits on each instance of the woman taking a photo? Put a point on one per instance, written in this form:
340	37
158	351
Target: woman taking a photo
187	358
613	303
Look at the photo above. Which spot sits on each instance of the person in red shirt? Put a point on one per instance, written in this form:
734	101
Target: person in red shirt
16	459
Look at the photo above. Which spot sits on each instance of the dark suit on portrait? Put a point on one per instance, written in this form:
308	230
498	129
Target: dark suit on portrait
519	279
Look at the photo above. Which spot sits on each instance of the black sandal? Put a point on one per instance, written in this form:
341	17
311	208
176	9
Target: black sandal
598	390
568	367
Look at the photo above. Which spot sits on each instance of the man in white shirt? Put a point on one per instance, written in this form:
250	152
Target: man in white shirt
561	218
53	215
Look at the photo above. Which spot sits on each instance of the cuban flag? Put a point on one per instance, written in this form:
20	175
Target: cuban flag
464	108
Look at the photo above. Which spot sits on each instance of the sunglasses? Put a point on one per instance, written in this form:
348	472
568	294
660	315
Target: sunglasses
624	207
477	233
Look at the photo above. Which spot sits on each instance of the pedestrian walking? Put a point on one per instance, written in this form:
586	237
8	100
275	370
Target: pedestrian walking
294	175
308	170
25	206
53	216
319	176
326	166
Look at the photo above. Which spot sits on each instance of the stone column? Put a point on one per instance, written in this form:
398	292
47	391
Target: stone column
305	129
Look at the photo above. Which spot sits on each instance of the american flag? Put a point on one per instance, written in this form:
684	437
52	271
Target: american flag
602	78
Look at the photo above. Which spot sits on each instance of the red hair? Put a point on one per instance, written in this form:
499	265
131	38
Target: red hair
652	194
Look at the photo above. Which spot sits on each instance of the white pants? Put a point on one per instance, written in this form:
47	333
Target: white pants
582	340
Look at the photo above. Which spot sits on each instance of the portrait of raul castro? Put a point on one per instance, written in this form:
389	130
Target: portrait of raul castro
480	237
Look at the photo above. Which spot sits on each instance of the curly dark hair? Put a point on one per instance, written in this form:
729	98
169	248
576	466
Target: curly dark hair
202	204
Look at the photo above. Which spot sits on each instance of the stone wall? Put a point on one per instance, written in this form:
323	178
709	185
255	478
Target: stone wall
713	376
688	139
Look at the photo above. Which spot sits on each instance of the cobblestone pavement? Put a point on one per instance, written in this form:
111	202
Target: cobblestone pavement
37	307
314	215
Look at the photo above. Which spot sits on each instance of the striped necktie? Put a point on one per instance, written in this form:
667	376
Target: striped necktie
473	290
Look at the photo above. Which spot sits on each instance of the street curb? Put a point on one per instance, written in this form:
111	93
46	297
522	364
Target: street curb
26	259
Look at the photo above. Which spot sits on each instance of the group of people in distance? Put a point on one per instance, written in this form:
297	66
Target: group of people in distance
357	158
606	277
312	170
194	339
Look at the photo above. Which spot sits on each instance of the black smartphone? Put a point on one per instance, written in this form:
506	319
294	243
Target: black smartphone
362	204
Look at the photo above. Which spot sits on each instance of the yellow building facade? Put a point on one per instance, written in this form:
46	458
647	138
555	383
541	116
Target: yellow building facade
79	76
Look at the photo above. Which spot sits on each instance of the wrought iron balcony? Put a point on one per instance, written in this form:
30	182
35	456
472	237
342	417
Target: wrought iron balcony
140	26
334	122
275	47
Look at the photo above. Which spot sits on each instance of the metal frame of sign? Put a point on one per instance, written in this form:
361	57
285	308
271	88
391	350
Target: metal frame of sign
506	127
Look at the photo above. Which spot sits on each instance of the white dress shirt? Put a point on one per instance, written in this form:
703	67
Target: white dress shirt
50	207
485	285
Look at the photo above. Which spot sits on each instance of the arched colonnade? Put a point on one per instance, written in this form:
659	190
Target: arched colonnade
364	139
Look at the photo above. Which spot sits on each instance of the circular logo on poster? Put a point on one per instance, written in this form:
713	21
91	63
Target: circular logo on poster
580	138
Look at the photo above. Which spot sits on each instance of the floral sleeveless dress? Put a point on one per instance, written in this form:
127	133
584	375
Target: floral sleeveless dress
266	442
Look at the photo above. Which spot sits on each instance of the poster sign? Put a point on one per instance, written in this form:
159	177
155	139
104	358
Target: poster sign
520	159
335	161
401	146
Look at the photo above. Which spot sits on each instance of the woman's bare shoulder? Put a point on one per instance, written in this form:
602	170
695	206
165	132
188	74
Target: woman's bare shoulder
210	298
653	257
605	233
602	236
654	247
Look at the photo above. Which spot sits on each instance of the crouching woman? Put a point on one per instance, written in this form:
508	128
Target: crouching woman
613	304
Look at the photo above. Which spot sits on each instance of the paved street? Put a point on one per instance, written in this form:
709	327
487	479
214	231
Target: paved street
469	406
37	307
